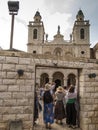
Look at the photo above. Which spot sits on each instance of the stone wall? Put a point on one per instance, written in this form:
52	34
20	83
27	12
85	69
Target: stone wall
17	93
89	98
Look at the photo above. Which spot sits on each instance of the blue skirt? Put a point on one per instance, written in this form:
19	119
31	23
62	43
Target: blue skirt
48	114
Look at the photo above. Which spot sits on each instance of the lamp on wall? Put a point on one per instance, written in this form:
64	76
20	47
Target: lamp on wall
20	72
92	75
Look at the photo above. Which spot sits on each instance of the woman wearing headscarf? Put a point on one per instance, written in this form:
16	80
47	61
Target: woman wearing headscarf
70	107
48	115
59	111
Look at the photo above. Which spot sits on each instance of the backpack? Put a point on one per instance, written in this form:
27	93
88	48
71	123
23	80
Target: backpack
47	97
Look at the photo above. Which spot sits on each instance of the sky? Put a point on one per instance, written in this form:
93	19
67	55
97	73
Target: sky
53	12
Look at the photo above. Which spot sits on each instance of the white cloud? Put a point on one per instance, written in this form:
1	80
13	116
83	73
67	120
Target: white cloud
52	22
62	6
53	12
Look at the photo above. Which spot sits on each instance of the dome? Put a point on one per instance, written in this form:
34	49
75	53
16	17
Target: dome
37	16
80	15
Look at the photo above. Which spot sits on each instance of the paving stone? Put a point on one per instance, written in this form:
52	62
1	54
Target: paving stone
40	125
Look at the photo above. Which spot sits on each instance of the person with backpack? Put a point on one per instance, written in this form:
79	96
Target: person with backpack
48	115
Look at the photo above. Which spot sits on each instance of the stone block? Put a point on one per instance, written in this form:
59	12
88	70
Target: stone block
16	125
3	74
24	67
22	102
28	82
24	61
91	114
9	102
5	95
12	60
86	120
96	88
84	127
96	127
9	116
9	81
27	88
96	113
90	89
19	95
2	59
23	117
95	120
11	75
92	127
3	88
89	101
21	82
8	67
13	88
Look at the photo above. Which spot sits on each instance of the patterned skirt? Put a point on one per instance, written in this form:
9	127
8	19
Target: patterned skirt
59	111
48	115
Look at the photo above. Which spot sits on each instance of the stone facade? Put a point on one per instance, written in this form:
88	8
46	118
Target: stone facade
77	47
56	60
17	93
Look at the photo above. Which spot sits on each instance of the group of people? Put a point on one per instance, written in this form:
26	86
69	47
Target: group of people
58	104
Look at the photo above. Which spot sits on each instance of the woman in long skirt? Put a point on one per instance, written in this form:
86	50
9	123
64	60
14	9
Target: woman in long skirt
48	115
59	111
70	107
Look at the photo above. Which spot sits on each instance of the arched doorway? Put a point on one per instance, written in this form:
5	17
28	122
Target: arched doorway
71	79
44	78
58	82
58	78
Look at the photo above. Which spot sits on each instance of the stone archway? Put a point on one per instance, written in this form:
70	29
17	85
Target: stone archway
71	75
44	78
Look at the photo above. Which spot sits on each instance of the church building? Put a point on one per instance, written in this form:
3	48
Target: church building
78	47
61	61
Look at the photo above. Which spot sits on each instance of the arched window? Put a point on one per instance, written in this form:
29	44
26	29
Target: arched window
35	34
82	33
71	79
58	78
58	52
44	78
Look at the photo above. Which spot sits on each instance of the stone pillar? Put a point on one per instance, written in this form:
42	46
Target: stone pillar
65	80
50	76
38	81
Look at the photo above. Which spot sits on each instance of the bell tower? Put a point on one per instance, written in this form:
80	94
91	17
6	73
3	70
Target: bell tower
81	29
35	31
